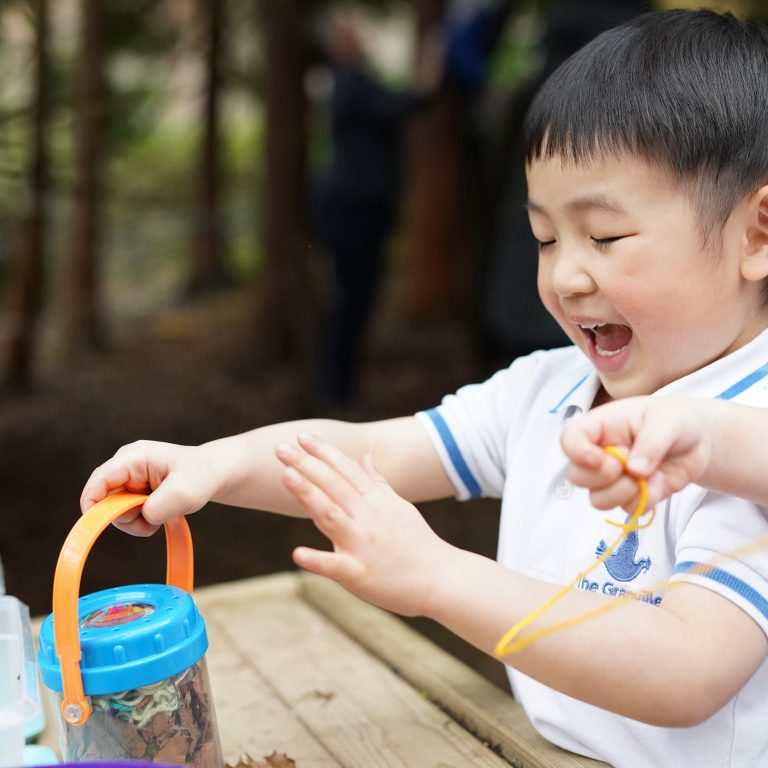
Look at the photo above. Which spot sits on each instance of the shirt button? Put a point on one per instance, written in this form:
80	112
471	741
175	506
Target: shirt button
563	489
571	411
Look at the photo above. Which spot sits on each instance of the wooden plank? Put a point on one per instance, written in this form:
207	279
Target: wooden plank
353	704
285	584
254	721
491	714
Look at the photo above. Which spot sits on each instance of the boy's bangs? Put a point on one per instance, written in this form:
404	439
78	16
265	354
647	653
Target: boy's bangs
687	91
593	106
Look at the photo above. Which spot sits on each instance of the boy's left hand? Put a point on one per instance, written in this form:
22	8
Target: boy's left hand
384	551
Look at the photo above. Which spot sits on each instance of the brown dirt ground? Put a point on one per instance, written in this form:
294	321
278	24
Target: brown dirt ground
181	377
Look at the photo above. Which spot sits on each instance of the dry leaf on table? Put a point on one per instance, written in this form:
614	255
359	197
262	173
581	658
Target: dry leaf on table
275	760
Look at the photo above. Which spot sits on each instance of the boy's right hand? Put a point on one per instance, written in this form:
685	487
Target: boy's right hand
664	441
179	479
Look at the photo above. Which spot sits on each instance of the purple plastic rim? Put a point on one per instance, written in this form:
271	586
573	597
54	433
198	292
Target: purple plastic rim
112	764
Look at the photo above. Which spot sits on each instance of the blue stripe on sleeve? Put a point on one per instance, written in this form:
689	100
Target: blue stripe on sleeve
729	580
459	464
745	383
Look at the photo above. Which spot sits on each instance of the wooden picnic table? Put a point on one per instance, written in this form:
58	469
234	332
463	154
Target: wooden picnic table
300	667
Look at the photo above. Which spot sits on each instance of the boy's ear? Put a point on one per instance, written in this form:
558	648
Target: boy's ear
754	263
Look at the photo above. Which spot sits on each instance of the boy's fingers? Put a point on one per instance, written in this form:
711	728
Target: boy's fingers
106	479
369	465
607	473
658	490
179	494
349	469
136	527
319	473
338	566
656	437
326	515
664	432
623	493
580	440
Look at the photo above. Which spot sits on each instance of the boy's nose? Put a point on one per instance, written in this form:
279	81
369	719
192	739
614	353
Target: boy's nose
567	274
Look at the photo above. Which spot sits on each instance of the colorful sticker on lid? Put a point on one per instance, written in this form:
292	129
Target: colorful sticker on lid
115	615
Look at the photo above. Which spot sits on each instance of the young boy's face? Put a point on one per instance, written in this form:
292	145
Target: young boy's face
624	271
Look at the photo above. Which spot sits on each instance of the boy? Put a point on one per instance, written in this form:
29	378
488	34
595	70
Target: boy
647	166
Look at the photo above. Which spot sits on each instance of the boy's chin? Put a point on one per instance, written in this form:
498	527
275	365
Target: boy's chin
613	390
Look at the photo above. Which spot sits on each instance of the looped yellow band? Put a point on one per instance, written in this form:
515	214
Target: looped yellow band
512	642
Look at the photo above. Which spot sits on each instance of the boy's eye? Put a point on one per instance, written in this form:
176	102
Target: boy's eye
545	243
603	242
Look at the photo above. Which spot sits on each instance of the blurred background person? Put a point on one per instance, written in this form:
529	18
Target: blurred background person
356	196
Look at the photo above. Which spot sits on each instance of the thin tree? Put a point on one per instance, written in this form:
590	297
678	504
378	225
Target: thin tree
82	326
446	197
435	233
284	309
25	273
207	269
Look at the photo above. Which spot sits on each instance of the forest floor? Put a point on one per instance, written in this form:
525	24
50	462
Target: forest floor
182	377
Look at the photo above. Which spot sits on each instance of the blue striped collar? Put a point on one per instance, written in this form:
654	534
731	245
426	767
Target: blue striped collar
580	394
738	374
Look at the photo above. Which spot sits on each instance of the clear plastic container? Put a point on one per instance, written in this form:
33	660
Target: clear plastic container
168	722
11	702
125	666
21	712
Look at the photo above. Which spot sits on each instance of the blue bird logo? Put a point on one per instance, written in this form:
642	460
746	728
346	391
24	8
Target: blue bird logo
622	564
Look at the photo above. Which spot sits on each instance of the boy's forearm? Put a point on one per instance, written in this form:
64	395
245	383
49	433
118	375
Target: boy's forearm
248	472
479	600
251	476
738	436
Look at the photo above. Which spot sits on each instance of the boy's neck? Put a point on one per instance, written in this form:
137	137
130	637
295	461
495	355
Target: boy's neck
601	397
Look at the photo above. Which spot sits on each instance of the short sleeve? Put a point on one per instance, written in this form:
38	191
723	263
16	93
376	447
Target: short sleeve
471	428
724	548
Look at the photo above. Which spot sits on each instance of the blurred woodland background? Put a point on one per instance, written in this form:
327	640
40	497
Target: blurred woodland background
162	271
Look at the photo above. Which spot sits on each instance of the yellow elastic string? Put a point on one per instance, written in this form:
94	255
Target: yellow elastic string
511	643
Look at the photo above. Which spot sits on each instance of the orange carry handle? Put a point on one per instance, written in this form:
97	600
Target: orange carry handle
66	587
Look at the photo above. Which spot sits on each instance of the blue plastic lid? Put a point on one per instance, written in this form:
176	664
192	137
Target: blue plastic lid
129	637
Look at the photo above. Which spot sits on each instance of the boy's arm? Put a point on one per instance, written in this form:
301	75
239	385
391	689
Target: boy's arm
685	659
242	470
672	442
671	665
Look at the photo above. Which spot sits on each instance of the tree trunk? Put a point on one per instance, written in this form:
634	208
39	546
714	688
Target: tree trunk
25	273
434	216
208	271
285	304
83	330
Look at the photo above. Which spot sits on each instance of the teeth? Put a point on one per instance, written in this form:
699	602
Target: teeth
607	352
592	326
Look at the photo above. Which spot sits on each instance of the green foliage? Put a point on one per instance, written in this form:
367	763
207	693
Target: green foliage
138	38
138	26
376	6
517	52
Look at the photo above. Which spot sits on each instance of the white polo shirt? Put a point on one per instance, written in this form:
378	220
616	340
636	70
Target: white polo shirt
501	439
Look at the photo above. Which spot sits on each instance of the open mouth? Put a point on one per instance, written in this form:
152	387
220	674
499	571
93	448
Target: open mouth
607	340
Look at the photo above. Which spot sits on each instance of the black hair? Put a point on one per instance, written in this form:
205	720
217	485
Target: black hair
685	90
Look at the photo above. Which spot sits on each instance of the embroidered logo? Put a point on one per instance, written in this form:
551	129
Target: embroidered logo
622	564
